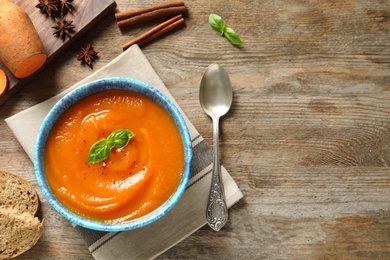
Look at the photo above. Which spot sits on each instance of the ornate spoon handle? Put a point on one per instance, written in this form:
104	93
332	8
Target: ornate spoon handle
216	213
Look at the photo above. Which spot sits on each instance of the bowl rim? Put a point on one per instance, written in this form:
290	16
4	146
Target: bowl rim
81	92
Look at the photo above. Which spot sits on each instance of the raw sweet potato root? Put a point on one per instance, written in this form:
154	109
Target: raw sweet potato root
3	82
21	48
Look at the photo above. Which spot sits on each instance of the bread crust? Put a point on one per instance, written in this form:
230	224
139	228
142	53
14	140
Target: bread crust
19	205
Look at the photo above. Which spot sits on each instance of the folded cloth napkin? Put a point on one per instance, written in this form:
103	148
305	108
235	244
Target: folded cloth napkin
189	213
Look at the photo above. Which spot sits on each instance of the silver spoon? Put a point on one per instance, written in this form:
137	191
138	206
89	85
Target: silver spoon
215	96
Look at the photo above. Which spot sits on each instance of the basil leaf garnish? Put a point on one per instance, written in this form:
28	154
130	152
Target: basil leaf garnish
232	36
120	138
101	149
218	24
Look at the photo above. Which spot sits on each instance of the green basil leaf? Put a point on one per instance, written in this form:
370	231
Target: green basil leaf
99	151
102	148
119	138
217	23
232	36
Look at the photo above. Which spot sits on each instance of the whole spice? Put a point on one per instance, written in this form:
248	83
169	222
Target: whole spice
48	6
58	9
87	54
156	31
66	6
134	12
63	28
149	16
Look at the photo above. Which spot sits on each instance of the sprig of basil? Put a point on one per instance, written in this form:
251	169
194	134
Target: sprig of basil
218	24
101	149
119	138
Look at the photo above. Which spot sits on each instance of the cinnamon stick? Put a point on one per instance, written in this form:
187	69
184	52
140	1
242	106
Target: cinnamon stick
130	13
156	31
161	32
148	16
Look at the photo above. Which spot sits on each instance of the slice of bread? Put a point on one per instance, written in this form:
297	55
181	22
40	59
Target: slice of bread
19	225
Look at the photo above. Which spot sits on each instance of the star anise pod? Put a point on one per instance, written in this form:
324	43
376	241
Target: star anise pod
66	6
87	54
47	6
63	28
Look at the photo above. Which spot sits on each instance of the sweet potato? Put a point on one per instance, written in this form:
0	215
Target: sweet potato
21	49
3	82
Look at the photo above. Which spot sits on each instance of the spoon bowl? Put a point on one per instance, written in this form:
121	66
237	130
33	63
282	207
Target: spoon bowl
215	97
215	93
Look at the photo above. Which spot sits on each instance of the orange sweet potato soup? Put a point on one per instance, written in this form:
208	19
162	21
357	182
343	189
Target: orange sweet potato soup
134	180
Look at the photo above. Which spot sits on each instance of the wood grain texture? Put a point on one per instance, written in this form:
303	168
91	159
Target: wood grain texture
86	15
307	138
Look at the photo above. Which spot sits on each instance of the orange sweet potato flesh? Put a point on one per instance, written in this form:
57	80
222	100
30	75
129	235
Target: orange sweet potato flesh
21	49
3	82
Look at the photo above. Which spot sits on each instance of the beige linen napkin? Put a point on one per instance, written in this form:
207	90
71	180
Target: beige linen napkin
184	219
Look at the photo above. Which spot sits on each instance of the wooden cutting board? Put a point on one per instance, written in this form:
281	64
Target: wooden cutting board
88	13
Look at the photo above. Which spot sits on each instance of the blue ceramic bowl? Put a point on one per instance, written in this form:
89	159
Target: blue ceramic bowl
80	93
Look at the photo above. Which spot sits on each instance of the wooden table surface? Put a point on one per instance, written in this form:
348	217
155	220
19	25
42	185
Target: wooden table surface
307	138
